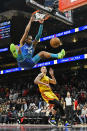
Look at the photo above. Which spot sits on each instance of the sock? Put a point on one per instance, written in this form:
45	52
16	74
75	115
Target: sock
36	59
54	55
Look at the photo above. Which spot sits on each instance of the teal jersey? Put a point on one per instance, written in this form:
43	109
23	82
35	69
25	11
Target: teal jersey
27	52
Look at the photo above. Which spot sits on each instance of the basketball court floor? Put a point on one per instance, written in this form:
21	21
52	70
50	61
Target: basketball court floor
29	127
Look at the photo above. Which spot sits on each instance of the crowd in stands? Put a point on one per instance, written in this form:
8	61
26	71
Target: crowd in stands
24	104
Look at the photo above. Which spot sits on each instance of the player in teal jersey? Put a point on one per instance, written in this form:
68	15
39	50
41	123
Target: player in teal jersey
24	52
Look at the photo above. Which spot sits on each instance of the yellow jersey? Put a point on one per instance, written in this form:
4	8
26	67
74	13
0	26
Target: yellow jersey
42	88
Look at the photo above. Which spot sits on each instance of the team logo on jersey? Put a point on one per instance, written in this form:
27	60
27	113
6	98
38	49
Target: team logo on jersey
29	49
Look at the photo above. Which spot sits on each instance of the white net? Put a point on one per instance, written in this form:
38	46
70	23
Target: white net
38	15
51	8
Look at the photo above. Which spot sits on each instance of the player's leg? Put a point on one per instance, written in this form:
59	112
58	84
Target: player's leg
52	112
15	50
57	105
59	55
44	54
61	112
53	117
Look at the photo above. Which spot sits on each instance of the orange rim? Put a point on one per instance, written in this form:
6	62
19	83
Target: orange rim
47	17
35	12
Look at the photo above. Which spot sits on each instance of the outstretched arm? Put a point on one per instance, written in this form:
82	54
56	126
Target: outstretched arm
53	80
26	31
39	33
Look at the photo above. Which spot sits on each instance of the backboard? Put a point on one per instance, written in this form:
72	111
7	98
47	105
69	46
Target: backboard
66	5
51	7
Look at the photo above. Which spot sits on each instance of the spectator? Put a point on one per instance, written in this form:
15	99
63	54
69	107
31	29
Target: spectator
84	113
24	104
62	101
78	115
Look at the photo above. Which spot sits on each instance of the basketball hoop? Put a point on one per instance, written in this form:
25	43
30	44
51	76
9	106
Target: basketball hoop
39	15
46	12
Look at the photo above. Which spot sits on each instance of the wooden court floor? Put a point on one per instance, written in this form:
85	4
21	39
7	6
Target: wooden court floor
32	127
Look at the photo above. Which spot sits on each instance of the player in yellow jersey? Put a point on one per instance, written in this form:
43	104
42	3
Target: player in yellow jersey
47	94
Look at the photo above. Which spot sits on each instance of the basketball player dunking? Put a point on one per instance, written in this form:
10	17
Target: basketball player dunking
24	52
